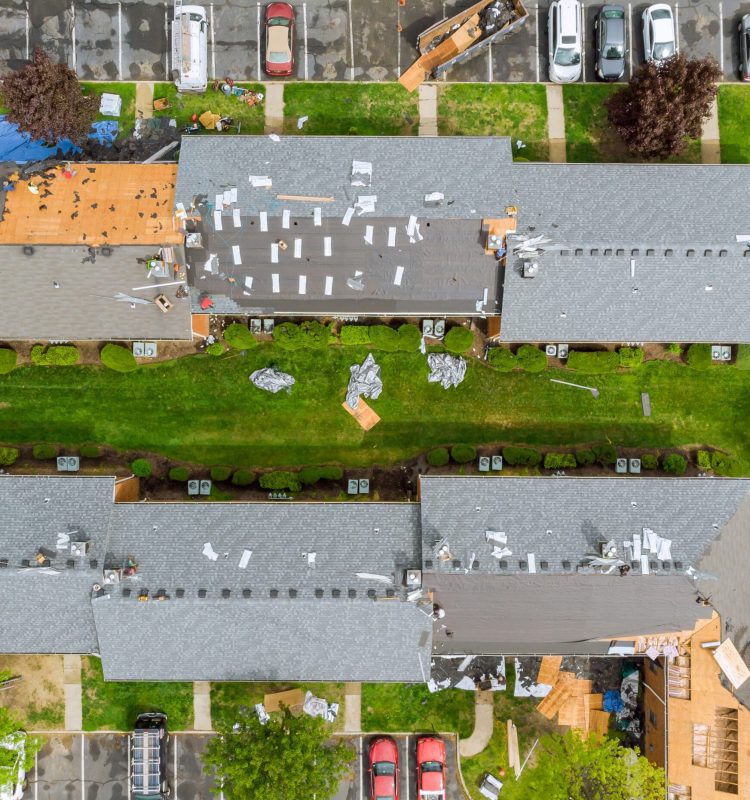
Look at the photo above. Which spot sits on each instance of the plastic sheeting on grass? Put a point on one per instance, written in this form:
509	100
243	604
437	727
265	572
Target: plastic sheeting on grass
445	369
365	380
272	380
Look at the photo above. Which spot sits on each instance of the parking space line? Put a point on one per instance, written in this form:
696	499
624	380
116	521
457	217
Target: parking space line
489	62
630	39
83	761
119	40
73	32
175	765
27	33
406	761
536	31
257	34
36	775
351	41
304	21
213	44
167	49
361	770
721	38
583	45
129	788
677	23
398	38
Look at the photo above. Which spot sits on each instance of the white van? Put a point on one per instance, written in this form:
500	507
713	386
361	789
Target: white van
190	48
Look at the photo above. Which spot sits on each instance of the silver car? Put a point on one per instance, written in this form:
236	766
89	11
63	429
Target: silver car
659	40
564	36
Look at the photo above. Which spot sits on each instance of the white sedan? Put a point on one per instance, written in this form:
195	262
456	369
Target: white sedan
659	40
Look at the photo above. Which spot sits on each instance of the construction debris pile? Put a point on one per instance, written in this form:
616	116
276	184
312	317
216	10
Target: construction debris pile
471	673
272	380
445	369
318	707
365	380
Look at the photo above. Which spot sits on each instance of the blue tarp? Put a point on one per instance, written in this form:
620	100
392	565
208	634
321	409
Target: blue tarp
20	147
104	132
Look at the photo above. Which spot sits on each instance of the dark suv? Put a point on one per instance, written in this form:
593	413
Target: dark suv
609	32
148	757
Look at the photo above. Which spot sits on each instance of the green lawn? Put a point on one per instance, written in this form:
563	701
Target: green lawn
350	109
394	707
517	110
203	409
115	705
226	698
734	123
183	106
126	91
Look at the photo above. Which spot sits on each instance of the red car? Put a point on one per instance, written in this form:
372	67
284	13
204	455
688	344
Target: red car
430	768
384	771
279	39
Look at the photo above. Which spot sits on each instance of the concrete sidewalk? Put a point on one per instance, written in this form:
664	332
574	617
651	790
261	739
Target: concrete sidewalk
352	707
274	108
144	100
710	138
483	724
72	692
202	706
556	123
428	110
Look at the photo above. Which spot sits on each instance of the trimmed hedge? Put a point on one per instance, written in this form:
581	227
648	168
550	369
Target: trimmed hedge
180	474
463	453
243	477
141	468
530	358
409	338
118	358
279	480
593	362
521	456
605	453
221	473
458	339
501	359
215	349
8	359
585	457
743	356
310	334
44	452
560	461
8	456
674	463
631	356
90	451
384	338
56	355
309	476
238	336
354	334
438	457
723	464
649	461
699	356
674	349
703	460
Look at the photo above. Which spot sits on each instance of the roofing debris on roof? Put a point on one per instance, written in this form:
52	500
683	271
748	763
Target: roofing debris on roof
272	380
445	369
365	380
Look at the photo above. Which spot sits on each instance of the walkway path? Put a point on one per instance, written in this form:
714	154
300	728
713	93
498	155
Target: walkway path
202	706
352	707
72	693
710	145
144	100
483	724
274	102
556	123
428	109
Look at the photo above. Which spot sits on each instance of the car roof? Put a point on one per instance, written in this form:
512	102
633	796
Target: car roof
663	30
569	16
615	31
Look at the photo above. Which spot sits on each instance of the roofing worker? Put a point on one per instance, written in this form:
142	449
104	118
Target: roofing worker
206	302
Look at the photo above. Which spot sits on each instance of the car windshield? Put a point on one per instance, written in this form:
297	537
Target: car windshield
664	50
384	768
567	57
277	58
613	13
614	51
279	21
660	13
432	766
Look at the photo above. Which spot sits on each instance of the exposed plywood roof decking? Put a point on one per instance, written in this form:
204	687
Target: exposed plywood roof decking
101	204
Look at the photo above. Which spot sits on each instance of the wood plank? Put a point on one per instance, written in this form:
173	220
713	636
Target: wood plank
550	705
364	415
594	702
598	721
731	663
514	758
293	698
571	712
549	670
581	688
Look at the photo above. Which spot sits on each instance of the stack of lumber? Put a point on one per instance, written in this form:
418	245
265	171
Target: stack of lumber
571	699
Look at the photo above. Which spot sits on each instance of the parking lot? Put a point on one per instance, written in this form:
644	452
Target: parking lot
336	39
94	766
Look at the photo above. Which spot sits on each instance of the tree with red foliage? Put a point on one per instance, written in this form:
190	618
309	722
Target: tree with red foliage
46	101
664	105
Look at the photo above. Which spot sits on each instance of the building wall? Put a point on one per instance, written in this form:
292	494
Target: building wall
655	712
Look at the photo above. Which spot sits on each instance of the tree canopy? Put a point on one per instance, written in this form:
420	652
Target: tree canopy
664	105
287	757
9	725
571	767
46	100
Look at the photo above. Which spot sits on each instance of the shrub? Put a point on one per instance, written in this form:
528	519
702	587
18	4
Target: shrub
243	477
458	339
7	360
521	456
674	349
179	474
530	358
585	457
118	358
502	359
238	336
409	338
280	480
56	355
463	453
674	463
384	338
699	356
141	468
43	452
215	349
593	362
90	451
311	475
743	356
309	334
605	453
221	473
438	457
703	460
630	356
8	456
649	461
723	464
560	461
355	334
288	336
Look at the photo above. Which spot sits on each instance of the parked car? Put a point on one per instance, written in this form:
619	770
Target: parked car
564	36
384	771
279	39
430	768
659	40
148	757
744	28
609	38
